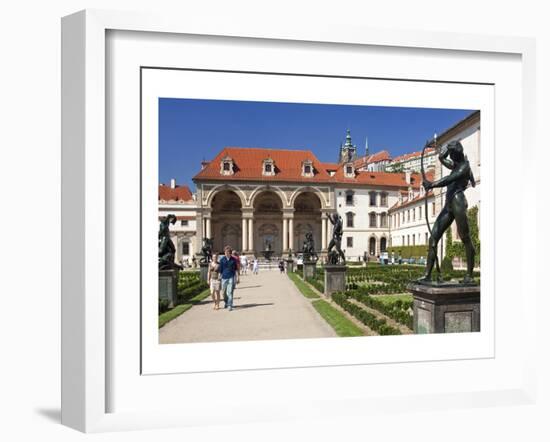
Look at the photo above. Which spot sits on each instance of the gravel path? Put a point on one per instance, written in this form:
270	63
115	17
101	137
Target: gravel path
265	306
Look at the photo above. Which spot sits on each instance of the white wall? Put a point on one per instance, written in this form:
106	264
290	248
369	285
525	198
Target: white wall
361	232
30	168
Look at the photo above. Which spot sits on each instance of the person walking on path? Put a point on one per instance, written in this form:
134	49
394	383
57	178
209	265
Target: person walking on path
237	258
228	271
244	264
255	266
214	280
281	266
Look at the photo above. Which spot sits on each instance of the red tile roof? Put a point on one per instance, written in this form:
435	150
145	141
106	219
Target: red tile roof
383	155
379	156
415	199
387	179
331	166
179	193
248	164
412	155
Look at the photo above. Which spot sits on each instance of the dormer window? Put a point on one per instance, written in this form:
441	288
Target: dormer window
349	170
227	166
307	168
268	168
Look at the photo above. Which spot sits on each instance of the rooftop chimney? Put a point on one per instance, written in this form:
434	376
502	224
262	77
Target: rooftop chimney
204	164
173	183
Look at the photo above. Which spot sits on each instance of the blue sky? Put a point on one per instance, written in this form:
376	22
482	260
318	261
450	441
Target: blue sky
194	130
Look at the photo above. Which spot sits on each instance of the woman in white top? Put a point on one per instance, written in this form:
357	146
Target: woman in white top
255	266
214	280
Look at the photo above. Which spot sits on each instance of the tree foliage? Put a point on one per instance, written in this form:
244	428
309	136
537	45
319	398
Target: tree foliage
456	248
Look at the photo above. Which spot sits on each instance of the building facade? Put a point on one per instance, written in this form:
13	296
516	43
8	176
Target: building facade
256	199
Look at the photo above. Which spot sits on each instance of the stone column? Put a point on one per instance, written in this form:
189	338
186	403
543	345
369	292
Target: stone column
208	227
323	232
285	235
291	234
250	234
244	234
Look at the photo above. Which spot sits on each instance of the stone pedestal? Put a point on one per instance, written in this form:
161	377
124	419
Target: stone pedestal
168	286
309	269
289	265
204	270
445	308
335	278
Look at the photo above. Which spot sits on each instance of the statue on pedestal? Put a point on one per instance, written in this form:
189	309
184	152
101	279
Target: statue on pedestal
336	256
206	250
308	248
167	250
455	208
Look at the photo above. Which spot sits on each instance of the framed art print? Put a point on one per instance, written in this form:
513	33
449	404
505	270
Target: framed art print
246	213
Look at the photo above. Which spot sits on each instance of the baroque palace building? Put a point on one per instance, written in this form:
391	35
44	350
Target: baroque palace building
254	198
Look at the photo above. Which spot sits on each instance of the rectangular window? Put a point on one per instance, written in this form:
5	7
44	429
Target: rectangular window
426	236
185	248
349	199
372	198
349	219
349	170
349	241
433	209
184	222
307	170
414	214
268	168
384	199
372	220
414	240
226	166
420	213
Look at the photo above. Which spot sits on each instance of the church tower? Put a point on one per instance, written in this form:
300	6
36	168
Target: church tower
348	152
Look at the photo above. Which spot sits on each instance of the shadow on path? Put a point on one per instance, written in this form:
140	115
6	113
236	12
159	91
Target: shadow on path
239	307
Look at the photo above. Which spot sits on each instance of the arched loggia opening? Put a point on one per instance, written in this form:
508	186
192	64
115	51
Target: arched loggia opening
307	218
226	220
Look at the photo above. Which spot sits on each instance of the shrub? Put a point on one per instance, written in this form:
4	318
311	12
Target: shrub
447	265
163	305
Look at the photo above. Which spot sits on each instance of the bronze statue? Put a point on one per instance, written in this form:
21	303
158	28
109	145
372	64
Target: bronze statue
206	250
336	256
308	248
455	208
167	251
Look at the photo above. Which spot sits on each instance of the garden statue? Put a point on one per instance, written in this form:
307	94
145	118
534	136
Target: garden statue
308	249
167	250
336	256
455	208
206	251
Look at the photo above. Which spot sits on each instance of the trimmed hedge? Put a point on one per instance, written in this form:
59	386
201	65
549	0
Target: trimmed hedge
378	325
398	310
408	251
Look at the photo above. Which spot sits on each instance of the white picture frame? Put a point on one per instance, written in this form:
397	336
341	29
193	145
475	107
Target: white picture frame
86	318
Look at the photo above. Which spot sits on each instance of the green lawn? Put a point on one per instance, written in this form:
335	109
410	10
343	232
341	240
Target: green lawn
166	317
341	325
304	288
